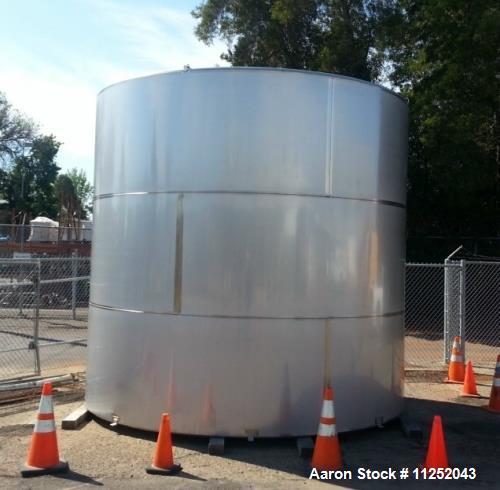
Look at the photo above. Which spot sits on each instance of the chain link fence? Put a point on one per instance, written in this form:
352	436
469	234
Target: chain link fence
450	299
43	315
18	324
63	300
481	312
424	312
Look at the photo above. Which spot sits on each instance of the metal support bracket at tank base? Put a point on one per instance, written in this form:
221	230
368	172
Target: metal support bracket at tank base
379	422
410	427
251	434
216	446
305	446
114	420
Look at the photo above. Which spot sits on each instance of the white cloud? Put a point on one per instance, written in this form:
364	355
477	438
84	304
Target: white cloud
161	35
62	97
61	103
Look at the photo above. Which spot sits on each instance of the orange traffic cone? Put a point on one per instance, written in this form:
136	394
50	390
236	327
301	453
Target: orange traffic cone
43	454
163	461
326	455
436	454
469	389
494	405
456	370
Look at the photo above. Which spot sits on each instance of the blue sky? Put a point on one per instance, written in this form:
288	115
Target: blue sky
56	55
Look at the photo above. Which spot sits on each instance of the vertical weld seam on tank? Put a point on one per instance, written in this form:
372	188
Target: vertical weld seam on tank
328	354
329	140
179	231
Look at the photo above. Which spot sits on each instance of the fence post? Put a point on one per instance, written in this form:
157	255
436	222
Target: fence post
462	305
446	329
20	300
20	292
36	286
449	275
22	237
74	272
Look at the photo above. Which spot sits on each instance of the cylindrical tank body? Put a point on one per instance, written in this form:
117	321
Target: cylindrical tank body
248	249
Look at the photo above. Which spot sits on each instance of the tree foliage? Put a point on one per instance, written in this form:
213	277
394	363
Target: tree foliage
446	60
74	186
333	36
443	55
28	185
28	167
16	131
29	179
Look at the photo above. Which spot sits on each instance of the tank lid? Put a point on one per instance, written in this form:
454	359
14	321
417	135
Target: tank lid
256	68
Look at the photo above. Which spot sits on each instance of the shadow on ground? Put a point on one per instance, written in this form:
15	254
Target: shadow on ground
472	437
78	477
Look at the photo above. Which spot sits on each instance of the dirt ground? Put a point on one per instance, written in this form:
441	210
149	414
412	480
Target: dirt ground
427	353
115	458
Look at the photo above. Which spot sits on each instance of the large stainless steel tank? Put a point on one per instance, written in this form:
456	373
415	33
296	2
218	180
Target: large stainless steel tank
248	247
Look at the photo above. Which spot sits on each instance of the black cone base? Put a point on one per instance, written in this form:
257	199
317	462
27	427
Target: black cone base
173	470
29	471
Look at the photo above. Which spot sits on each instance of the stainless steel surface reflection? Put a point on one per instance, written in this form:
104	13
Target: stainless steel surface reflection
248	247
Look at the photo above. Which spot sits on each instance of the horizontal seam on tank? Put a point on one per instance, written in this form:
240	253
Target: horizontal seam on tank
191	315
143	193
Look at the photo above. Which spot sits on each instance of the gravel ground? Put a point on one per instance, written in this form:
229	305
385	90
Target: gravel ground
115	458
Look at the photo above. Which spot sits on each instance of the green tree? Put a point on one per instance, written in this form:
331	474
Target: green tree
16	131
75	192
443	55
28	185
84	190
334	36
446	60
29	168
66	196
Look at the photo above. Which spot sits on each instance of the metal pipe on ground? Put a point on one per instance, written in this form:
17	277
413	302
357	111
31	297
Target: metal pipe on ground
38	383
